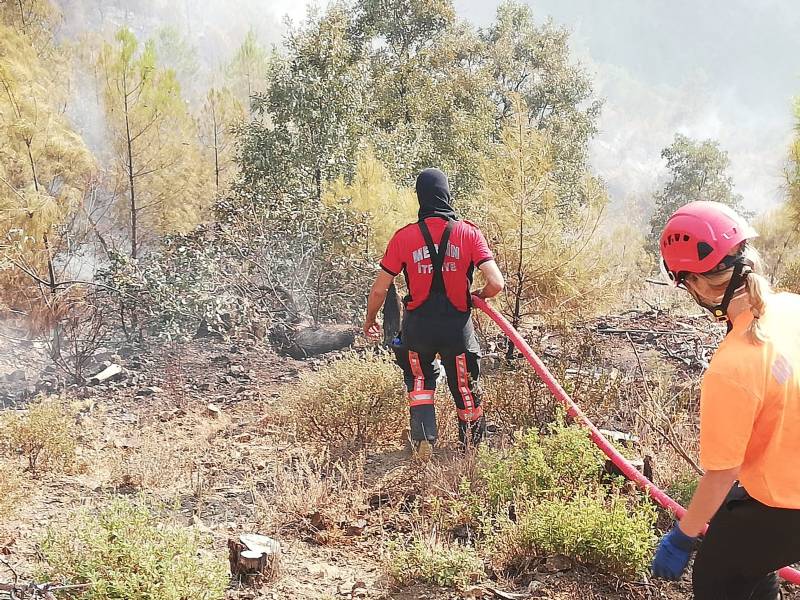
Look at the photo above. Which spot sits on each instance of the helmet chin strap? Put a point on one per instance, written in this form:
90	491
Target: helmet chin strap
741	269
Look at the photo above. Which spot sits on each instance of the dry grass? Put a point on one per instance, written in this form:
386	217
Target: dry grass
163	458
11	490
514	397
315	494
45	435
152	463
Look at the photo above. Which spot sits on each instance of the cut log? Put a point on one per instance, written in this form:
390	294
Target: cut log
254	555
110	373
311	341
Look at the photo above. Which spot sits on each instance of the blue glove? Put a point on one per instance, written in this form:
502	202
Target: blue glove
672	554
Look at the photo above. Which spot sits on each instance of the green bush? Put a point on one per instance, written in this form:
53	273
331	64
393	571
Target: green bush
44	435
605	532
556	464
520	472
683	487
572	457
432	561
124	552
354	401
561	505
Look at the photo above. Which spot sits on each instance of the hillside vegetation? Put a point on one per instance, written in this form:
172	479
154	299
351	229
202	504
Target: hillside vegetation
164	242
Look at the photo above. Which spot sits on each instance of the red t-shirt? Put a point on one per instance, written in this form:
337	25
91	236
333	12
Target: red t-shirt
408	253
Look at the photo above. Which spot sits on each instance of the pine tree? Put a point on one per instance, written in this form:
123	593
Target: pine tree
246	74
45	167
220	114
167	188
793	168
546	256
372	191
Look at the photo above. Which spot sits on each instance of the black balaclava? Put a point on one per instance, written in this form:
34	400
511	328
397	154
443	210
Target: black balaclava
433	193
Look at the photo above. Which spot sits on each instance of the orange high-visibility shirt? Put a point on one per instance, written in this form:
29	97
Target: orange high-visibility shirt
750	405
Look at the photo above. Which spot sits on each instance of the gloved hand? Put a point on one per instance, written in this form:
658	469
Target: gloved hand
672	554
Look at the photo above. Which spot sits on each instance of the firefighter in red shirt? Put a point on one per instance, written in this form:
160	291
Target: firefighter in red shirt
437	255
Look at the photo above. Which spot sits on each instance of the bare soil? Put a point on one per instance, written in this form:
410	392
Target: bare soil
222	471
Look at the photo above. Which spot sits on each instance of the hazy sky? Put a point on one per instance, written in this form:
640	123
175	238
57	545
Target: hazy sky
726	69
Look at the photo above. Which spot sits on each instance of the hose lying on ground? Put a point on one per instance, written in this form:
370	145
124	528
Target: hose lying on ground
663	500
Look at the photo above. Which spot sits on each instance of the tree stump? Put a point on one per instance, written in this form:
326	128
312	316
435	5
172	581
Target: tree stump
253	556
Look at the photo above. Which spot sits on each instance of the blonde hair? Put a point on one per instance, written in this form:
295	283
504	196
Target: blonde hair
756	286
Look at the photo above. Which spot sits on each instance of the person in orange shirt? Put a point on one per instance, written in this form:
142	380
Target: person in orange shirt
749	414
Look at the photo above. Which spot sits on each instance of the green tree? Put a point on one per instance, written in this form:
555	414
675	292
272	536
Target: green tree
697	170
312	116
305	255
410	30
431	90
533	61
165	185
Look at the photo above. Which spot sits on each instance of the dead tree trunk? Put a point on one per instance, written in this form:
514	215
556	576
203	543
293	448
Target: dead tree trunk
310	341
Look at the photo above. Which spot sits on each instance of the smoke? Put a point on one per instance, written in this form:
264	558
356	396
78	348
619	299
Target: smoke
722	69
639	120
708	70
196	38
210	30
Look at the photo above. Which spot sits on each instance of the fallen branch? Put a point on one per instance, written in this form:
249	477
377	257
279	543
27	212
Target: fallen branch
657	282
33	590
613	330
11	569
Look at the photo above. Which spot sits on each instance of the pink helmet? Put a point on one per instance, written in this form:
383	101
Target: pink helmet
699	236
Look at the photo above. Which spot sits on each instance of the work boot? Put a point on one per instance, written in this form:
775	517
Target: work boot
422	450
423	422
471	434
424	431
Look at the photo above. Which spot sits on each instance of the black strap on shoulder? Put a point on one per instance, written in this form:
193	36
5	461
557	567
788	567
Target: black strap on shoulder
437	258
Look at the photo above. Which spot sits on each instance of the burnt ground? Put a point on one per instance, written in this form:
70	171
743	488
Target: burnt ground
153	432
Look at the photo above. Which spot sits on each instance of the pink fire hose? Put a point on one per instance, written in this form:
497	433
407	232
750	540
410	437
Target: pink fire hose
663	500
